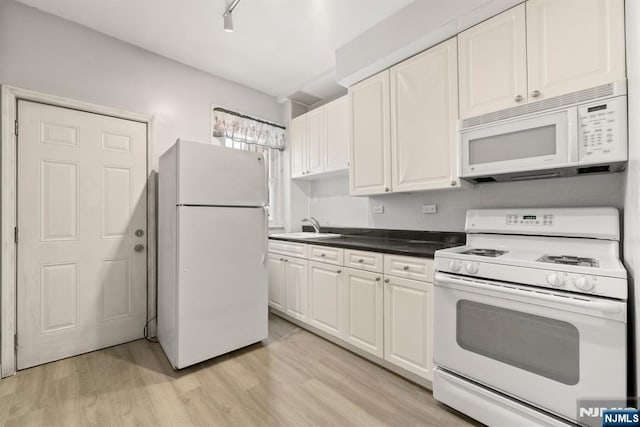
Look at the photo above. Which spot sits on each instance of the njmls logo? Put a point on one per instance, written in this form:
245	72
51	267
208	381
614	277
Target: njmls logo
595	412
608	413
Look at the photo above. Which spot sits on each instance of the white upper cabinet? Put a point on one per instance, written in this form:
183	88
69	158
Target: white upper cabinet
370	148
574	45
492	58
424	114
320	140
336	114
298	137
316	141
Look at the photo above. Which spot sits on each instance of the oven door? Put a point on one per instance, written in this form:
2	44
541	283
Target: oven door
542	141
546	348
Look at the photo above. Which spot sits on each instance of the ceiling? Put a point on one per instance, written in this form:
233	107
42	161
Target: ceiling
279	47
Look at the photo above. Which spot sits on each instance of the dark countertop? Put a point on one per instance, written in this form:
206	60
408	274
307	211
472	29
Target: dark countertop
398	242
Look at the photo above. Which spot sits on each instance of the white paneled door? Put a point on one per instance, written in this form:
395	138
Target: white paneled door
82	262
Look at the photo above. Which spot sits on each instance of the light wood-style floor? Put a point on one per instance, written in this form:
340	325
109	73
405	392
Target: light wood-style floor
293	379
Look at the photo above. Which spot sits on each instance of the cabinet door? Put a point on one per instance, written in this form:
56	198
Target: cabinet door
276	281
424	113
336	115
363	310
408	320
370	149
326	297
298	137
296	288
316	142
574	45
492	60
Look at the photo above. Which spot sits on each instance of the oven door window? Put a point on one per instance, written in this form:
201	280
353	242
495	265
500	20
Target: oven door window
521	144
541	345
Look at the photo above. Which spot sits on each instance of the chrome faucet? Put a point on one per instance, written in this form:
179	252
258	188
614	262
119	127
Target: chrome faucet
314	223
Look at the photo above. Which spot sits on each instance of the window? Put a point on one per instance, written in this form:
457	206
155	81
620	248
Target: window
273	159
242	132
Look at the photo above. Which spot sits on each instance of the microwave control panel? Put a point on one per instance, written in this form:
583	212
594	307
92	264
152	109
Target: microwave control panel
602	131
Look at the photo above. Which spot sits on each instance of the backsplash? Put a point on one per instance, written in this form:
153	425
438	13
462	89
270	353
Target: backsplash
329	201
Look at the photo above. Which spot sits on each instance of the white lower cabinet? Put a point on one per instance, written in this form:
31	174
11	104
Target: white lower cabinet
296	288
326	297
363	325
275	265
408	336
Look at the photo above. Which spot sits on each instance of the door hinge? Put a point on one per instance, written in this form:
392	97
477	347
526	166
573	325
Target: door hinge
15	234
15	342
15	128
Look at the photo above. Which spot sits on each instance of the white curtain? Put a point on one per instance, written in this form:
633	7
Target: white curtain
241	129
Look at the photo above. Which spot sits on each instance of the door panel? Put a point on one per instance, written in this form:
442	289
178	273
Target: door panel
316	141
492	60
81	196
337	127
276	281
363	312
370	148
570	51
297	284
326	297
408	318
298	136
424	113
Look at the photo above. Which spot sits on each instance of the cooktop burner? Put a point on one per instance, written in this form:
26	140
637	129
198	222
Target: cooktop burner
484	252
570	260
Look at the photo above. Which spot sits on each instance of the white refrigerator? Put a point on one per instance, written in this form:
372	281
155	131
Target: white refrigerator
212	246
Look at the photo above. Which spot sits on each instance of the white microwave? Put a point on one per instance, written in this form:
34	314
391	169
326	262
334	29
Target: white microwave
572	140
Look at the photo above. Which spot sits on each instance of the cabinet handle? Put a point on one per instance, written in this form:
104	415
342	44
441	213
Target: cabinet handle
360	260
535	93
281	259
518	98
286	260
387	189
323	255
453	182
339	271
386	280
377	279
405	268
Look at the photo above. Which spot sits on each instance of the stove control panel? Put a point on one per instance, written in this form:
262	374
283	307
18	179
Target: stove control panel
524	219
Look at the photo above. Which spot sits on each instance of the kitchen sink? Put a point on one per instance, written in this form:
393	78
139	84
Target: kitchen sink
305	235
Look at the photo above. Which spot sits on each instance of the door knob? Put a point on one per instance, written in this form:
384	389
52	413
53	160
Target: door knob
139	248
139	233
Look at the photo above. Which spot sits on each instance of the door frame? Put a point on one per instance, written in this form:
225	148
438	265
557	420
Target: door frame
9	97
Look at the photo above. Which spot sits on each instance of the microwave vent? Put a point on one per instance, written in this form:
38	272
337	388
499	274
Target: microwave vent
573	98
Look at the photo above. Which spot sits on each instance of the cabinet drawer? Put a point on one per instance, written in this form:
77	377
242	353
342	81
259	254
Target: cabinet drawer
326	254
293	249
409	267
370	261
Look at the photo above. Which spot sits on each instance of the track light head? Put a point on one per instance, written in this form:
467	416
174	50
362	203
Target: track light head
228	22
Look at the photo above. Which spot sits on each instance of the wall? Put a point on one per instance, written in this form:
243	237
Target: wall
42	52
632	193
329	201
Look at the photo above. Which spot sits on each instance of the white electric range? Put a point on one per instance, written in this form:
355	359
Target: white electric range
530	315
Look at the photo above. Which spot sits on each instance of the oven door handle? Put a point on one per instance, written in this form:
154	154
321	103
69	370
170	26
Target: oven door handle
601	306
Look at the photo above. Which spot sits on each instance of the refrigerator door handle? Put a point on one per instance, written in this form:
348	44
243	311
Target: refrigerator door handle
266	235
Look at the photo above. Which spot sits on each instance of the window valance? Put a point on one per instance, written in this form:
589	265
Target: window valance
245	129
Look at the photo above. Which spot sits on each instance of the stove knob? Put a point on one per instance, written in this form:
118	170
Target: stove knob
471	268
455	266
555	280
583	283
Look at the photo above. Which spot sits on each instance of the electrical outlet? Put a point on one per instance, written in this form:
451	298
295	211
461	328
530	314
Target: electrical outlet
378	209
429	209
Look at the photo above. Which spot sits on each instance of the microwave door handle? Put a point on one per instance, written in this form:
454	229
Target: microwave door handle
606	307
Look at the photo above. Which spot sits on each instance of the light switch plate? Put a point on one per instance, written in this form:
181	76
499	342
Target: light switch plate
378	209
429	209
